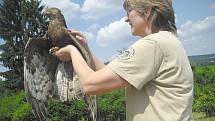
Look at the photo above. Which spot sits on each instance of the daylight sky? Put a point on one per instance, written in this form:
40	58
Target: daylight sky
102	23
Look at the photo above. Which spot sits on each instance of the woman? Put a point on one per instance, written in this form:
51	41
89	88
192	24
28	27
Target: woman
155	70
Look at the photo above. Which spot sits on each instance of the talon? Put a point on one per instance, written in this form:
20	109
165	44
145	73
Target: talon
53	50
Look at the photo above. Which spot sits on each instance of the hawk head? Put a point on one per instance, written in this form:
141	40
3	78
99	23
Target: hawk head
53	13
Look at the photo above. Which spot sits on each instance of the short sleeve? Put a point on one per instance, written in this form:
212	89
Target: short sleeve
139	64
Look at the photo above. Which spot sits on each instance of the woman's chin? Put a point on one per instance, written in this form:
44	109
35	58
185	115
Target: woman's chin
137	33
133	32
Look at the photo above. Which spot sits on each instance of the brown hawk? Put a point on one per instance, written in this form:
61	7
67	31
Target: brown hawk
45	76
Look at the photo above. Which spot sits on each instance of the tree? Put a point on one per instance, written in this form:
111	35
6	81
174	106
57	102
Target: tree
19	20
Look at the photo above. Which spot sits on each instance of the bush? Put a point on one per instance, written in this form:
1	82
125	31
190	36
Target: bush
204	90
9	103
67	111
13	107
112	106
23	113
205	103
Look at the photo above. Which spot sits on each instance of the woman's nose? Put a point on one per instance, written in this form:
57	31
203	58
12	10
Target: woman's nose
126	19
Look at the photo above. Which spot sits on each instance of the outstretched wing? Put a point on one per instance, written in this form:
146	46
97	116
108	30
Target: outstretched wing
45	76
39	74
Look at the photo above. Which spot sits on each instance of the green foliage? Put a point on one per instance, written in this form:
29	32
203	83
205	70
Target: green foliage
10	85
13	107
112	106
2	88
19	20
23	113
67	111
9	103
201	117
205	103
204	88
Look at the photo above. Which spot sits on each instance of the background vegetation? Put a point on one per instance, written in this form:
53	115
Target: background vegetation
204	89
13	105
21	19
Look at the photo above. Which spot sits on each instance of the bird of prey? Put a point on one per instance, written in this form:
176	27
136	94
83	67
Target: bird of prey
45	76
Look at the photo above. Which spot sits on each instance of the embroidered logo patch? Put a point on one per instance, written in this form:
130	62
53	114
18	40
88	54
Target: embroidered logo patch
127	54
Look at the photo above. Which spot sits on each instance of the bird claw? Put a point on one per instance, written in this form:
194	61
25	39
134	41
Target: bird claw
53	50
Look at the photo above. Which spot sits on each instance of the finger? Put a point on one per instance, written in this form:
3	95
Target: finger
71	30
82	40
79	37
77	33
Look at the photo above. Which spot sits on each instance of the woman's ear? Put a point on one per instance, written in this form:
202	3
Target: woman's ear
148	12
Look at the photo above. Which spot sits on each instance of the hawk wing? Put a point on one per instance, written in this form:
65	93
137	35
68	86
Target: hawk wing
68	87
39	74
46	77
74	90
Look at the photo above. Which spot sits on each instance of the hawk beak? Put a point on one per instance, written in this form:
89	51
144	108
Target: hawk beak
47	14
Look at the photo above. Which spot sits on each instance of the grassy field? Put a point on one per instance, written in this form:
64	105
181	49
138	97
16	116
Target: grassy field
201	69
201	117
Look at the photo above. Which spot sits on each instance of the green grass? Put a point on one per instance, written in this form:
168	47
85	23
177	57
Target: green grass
14	108
9	103
201	117
202	69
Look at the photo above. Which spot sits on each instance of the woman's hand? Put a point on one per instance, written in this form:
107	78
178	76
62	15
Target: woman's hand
79	36
64	54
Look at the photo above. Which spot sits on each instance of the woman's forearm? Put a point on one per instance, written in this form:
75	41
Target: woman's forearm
94	82
81	67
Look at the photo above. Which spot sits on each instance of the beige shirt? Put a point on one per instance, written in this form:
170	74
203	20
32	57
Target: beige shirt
161	79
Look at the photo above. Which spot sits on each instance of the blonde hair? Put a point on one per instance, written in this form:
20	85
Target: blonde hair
162	14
